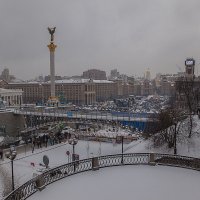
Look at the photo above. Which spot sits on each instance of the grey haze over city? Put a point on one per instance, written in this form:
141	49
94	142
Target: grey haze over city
130	35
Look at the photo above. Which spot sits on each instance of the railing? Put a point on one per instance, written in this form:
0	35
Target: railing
55	174
178	161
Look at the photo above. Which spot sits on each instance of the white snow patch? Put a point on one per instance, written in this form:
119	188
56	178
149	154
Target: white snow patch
126	182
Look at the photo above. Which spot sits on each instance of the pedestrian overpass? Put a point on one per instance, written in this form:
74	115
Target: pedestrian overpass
35	117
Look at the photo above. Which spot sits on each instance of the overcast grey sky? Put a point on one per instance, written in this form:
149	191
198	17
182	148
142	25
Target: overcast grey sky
130	35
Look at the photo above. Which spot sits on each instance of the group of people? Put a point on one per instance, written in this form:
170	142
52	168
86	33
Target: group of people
43	141
47	140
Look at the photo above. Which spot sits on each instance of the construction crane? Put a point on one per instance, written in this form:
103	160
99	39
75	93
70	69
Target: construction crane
179	68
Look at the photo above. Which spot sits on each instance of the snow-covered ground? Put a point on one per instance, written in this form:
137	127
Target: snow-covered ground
23	170
127	182
185	146
111	132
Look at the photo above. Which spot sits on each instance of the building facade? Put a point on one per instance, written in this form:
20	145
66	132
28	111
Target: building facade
94	74
12	97
146	88
76	91
105	90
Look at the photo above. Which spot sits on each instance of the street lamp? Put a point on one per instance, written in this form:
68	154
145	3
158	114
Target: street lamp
122	140
18	132
73	141
42	93
175	135
11	155
130	105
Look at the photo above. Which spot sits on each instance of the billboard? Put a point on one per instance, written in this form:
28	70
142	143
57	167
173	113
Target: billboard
189	62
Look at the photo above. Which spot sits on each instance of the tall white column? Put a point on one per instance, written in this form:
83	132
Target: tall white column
52	73
52	48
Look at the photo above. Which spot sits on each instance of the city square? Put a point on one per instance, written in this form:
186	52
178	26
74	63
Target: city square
99	100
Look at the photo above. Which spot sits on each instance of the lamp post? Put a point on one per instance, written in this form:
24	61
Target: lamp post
42	93
73	141
175	135
11	155
18	130
129	112
122	140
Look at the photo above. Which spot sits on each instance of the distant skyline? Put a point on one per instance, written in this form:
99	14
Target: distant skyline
129	35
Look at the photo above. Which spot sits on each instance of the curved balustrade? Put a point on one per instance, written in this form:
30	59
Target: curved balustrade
52	175
178	161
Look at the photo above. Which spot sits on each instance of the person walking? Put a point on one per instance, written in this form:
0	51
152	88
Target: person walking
33	142
33	146
1	153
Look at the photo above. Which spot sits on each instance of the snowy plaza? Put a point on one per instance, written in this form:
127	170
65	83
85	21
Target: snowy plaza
126	182
152	182
106	183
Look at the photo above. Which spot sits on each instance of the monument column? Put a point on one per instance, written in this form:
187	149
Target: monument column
52	48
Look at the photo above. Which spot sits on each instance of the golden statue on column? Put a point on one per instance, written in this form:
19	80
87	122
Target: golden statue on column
51	32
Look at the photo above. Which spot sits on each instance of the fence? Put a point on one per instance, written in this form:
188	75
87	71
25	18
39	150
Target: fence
55	174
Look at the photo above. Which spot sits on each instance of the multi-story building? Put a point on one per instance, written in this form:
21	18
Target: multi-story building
146	88
94	74
77	91
166	87
5	75
114	74
12	97
3	83
137	89
147	74
105	90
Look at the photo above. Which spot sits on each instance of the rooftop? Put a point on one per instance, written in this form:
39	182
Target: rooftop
66	81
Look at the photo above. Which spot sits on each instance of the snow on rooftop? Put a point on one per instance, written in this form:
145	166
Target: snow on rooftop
102	81
82	81
26	82
65	81
3	90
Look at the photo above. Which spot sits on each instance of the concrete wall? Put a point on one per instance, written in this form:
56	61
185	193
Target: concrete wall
13	123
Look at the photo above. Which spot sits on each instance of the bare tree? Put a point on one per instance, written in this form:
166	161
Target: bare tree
187	96
170	125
